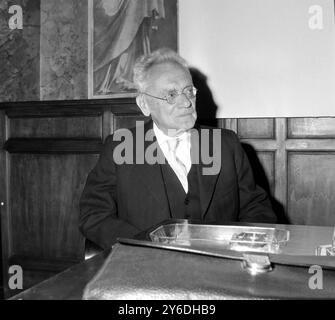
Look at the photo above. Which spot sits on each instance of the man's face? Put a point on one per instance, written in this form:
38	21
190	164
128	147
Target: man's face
162	79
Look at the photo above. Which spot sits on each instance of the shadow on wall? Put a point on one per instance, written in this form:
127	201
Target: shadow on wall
205	105
262	181
206	110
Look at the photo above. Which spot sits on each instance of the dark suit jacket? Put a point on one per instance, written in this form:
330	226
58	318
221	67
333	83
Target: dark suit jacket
121	200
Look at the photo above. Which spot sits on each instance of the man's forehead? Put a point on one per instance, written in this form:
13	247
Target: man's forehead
167	73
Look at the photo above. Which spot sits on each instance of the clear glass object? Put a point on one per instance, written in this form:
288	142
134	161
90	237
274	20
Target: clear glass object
238	238
327	249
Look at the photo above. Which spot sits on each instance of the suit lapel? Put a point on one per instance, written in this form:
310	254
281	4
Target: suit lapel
201	148
151	174
153	182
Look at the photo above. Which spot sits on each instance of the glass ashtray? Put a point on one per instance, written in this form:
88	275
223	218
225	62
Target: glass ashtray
237	238
325	250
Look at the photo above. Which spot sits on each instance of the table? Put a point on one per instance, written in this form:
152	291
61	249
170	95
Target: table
70	284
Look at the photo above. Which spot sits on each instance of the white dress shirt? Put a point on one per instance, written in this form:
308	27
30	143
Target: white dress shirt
180	162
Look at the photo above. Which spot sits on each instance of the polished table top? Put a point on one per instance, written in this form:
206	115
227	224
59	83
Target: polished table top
71	283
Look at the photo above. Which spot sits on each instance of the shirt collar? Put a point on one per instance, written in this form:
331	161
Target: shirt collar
162	137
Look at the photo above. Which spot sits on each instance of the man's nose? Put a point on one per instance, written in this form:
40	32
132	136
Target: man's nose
185	102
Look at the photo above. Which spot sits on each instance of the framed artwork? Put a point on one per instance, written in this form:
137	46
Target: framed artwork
119	32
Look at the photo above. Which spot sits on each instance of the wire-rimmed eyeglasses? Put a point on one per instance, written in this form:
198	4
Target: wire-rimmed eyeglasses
171	97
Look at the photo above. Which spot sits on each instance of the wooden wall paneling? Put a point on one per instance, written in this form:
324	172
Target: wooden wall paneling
59	108
281	164
311	188
260	128
5	224
313	139
53	110
304	128
230	124
45	192
267	163
53	146
107	124
310	144
258	137
263	140
221	123
127	120
265	135
42	207
59	127
311	178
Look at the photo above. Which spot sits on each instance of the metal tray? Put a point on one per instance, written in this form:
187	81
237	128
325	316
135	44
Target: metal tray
238	238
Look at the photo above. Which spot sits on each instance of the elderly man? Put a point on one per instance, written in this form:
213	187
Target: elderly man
121	199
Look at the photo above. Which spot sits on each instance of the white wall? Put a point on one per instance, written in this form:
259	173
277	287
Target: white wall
261	57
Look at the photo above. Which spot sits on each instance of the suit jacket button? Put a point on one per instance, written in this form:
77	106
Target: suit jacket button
187	201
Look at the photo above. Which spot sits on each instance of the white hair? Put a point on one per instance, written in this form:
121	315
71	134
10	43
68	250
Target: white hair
145	62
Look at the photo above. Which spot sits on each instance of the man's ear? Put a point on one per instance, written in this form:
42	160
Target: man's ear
142	105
